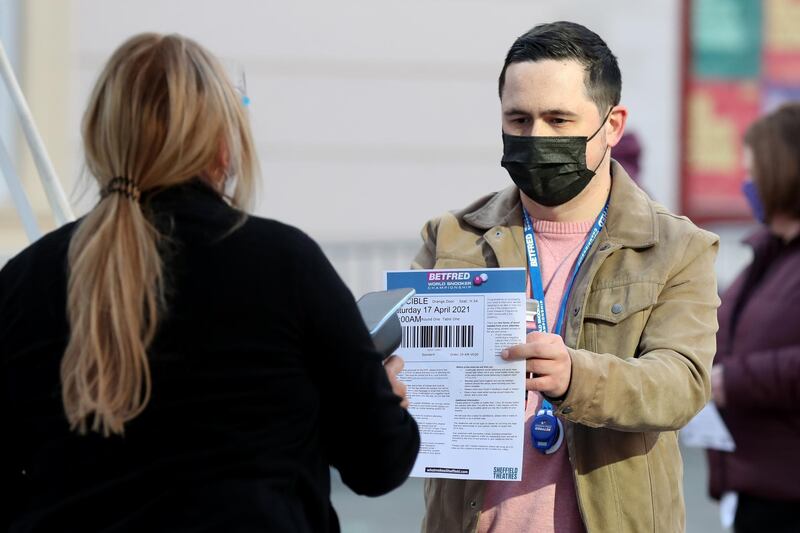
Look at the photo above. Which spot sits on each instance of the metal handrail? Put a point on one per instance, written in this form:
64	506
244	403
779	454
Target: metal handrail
52	187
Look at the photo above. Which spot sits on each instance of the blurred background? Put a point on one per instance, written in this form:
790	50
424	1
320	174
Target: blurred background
372	116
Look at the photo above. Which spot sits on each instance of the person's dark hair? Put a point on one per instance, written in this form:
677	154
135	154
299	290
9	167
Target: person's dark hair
776	160
567	40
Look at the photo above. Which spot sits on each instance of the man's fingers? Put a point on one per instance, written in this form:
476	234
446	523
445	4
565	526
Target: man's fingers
541	350
541	366
394	364
543	337
540	383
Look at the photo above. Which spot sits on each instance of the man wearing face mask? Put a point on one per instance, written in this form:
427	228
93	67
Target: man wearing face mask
622	306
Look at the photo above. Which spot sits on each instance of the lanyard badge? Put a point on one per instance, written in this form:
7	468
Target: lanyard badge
547	431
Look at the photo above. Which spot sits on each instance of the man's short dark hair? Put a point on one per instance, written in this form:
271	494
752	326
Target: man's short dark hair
567	40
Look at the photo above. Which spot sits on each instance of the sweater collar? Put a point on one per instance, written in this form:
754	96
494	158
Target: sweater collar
194	188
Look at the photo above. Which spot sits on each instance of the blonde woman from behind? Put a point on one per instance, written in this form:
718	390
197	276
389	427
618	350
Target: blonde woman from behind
170	362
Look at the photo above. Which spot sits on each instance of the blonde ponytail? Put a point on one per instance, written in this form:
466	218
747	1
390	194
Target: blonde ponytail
160	114
115	291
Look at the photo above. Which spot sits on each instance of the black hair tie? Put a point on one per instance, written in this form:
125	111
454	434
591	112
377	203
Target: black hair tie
124	186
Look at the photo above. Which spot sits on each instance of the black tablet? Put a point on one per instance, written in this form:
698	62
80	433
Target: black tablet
379	311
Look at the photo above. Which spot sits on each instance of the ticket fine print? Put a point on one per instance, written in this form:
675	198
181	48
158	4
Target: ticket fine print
467	400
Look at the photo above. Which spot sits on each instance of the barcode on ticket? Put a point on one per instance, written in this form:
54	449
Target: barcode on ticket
438	337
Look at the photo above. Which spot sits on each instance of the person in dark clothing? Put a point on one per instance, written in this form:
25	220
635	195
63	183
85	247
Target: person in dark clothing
169	363
756	378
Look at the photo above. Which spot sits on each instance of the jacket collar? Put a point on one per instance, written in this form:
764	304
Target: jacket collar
502	209
631	214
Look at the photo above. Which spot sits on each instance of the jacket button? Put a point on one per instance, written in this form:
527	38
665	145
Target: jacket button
473	504
498	234
616	309
605	246
576	311
566	410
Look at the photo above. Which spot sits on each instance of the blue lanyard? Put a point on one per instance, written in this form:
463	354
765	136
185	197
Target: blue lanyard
537	287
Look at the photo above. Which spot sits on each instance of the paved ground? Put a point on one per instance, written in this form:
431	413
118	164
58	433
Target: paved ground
401	510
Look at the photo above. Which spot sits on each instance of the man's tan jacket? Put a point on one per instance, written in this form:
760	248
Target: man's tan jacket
640	327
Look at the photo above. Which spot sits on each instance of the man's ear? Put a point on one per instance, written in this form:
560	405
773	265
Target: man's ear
615	125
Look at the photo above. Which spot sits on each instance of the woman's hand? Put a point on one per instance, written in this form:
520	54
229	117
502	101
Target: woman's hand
393	366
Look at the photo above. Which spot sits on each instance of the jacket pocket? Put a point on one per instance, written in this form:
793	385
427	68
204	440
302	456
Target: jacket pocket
615	316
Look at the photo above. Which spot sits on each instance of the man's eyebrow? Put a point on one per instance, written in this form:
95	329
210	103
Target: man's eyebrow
559	112
515	111
546	112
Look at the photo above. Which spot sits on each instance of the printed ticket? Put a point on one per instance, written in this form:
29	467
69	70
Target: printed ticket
467	400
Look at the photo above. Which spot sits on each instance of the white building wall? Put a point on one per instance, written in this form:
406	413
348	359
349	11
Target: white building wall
372	116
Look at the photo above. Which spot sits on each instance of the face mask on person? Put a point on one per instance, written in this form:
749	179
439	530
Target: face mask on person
750	192
549	170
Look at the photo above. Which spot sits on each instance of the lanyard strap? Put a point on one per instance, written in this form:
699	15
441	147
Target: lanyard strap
537	286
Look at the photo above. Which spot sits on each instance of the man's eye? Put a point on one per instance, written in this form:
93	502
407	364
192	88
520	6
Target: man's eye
557	121
520	120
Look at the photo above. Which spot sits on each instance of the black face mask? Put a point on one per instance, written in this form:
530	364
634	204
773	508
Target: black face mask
549	170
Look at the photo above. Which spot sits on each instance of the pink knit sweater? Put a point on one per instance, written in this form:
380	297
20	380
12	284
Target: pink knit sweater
544	501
